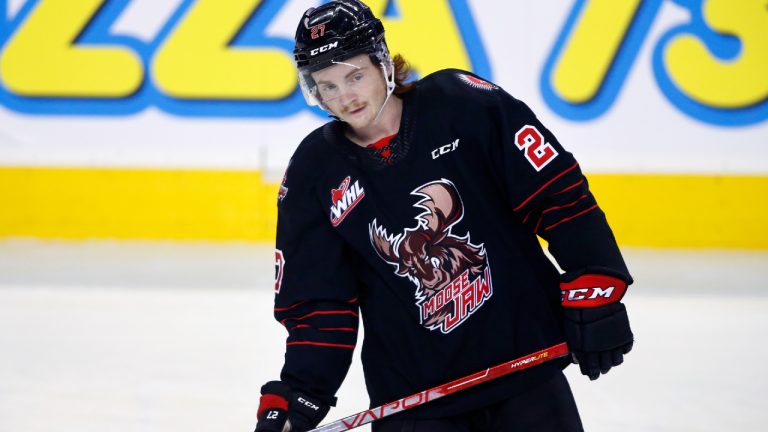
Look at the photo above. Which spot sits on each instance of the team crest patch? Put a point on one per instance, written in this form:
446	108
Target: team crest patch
452	275
477	82
344	199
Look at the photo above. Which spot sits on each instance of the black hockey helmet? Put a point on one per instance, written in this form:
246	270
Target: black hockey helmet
334	32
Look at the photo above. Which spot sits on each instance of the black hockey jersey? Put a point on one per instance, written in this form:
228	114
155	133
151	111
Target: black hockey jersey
432	241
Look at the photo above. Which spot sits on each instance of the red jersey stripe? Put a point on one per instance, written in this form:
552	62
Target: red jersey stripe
572	203
571	217
336	312
322	344
295	305
578	183
571	168
290	307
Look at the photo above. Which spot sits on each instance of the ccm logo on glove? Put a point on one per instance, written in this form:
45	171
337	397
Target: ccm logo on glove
592	290
307	403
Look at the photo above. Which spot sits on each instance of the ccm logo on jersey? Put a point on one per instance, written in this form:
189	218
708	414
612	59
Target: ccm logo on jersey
344	199
436	153
324	48
592	290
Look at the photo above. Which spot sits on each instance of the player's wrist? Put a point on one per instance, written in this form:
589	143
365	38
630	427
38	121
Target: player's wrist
597	329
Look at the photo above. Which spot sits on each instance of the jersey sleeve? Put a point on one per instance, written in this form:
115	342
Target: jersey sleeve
548	192
315	297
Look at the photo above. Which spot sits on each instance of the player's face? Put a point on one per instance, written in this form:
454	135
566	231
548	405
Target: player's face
354	90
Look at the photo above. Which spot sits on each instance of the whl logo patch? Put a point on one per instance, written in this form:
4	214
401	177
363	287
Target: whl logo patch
344	199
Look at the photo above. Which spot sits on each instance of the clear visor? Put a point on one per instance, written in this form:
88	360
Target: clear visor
340	77
330	83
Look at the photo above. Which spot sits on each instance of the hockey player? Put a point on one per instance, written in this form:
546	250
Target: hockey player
417	209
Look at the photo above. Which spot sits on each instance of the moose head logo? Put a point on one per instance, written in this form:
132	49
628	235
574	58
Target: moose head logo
451	274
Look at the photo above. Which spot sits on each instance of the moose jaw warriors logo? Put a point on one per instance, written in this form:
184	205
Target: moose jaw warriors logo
452	275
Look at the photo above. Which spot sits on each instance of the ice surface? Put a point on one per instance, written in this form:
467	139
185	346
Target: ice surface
125	337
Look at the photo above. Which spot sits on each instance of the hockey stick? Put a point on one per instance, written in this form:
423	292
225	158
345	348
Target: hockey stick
417	399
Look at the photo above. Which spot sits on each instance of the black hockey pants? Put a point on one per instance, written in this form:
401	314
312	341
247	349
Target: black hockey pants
549	407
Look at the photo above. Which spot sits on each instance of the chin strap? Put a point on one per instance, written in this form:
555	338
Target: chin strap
390	79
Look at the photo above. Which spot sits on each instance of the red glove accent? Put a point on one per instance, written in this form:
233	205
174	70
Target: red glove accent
591	291
270	401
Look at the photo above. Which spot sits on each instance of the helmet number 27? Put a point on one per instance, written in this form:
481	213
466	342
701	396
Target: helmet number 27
318	31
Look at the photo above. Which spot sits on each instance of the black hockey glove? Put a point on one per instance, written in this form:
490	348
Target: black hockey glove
595	321
281	409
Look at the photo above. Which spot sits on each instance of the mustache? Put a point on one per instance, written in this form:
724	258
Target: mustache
352	108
